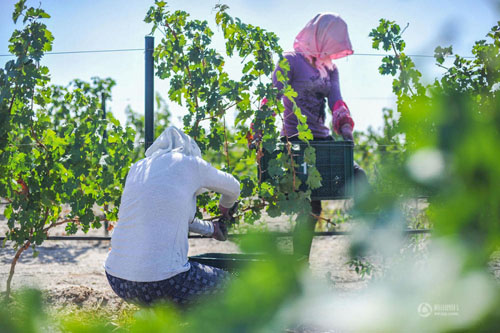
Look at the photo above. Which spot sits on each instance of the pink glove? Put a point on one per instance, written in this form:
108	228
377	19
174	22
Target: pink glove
346	132
340	118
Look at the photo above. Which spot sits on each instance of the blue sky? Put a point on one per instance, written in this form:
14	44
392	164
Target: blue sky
114	24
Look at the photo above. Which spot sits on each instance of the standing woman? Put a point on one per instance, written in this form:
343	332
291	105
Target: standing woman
148	261
315	78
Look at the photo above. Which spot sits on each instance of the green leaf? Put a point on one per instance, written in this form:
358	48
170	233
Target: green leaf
43	14
290	93
19	8
274	168
274	210
305	133
248	186
310	155
7	211
313	178
249	65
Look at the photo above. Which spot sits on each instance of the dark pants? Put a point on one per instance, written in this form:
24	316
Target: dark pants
304	230
182	289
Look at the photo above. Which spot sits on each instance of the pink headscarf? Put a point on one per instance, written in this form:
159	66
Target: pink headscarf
325	37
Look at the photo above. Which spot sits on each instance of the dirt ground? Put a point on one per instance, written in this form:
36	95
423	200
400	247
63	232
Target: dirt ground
71	272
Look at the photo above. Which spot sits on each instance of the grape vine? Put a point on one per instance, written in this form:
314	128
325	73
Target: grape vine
53	150
199	81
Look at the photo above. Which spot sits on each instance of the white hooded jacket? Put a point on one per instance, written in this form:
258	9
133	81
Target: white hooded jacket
150	240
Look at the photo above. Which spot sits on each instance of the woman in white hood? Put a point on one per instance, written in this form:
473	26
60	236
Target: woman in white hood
148	260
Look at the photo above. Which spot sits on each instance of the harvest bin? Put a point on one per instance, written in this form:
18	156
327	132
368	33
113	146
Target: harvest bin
228	261
334	161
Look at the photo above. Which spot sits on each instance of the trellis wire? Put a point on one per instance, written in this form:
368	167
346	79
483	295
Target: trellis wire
356	147
235	236
142	49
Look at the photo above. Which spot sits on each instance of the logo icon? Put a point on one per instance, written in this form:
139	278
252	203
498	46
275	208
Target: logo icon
424	310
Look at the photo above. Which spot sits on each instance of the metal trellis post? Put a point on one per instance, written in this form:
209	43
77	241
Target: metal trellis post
149	92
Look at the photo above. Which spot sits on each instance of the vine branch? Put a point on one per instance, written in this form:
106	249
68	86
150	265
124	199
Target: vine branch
398	56
13	266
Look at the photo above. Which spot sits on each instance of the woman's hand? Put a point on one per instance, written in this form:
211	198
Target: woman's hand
346	132
225	212
220	231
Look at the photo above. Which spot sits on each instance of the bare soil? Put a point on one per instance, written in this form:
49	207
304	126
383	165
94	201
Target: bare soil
71	273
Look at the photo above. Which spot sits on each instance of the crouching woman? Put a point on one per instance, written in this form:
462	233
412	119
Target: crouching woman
148	261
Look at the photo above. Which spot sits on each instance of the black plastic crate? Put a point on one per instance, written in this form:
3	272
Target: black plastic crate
334	161
232	262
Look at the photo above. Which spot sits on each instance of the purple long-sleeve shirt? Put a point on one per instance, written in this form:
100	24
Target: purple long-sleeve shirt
312	91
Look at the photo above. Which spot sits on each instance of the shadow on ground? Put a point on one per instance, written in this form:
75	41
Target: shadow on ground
60	252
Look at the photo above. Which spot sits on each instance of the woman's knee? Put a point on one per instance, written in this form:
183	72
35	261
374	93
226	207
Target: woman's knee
361	183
